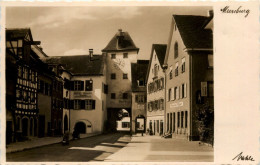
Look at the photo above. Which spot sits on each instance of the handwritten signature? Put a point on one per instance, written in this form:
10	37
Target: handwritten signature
238	10
242	157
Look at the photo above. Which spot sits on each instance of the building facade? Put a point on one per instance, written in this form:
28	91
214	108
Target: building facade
139	71
189	74
84	100
156	90
21	98
120	53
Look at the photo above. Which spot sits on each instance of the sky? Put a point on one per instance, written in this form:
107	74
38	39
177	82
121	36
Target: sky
75	30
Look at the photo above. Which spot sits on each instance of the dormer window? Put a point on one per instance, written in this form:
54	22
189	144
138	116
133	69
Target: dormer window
176	53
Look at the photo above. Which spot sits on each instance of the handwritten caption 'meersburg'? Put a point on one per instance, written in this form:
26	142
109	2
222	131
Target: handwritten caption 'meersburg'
239	10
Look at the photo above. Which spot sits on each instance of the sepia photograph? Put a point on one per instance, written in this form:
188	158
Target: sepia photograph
109	84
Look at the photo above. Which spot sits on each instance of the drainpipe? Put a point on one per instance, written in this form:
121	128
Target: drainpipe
165	96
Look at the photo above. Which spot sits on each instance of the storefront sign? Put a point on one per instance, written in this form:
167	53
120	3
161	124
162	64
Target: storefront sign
174	105
79	94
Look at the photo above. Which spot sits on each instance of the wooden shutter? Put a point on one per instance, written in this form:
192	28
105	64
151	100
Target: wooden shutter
81	85
82	104
93	104
71	85
71	104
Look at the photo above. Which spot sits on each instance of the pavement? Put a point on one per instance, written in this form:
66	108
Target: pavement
156	149
35	142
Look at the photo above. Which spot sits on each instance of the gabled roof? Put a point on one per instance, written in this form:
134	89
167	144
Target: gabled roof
160	50
18	33
139	71
79	64
192	31
120	42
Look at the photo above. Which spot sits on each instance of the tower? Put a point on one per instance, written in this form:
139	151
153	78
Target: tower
120	53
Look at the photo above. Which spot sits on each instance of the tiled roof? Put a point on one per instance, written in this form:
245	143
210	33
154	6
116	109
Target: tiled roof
79	64
192	31
139	71
120	42
160	50
18	33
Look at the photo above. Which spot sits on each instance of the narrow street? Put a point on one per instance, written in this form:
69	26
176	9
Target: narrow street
119	147
95	148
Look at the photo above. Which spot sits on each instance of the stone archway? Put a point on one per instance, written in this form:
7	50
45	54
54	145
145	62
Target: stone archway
80	127
25	123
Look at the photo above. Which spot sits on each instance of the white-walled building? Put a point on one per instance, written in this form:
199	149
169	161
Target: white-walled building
84	92
156	90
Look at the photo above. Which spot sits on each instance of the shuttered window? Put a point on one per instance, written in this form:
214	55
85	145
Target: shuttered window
89	85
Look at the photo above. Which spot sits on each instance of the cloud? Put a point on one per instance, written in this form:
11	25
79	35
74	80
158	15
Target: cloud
76	52
60	16
126	12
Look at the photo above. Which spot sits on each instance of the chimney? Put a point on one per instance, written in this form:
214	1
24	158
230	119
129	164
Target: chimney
210	13
120	33
90	54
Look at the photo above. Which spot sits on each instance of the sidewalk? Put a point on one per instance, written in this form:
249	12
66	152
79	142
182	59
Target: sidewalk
35	142
156	149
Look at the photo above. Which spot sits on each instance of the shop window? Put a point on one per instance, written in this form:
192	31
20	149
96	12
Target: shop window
125	125
113	76
89	85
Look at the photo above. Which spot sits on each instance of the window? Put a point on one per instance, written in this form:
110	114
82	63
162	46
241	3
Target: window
170	74
162	104
140	82
183	65
90	104
186	119
78	85
113	56
155	70
18	94
176	93
169	94
113	96
182	117
77	104
178	120
89	85
210	60
139	98
19	71
176	69
125	95
125	76
125	55
176	50
113	76
183	90
105	89
125	125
